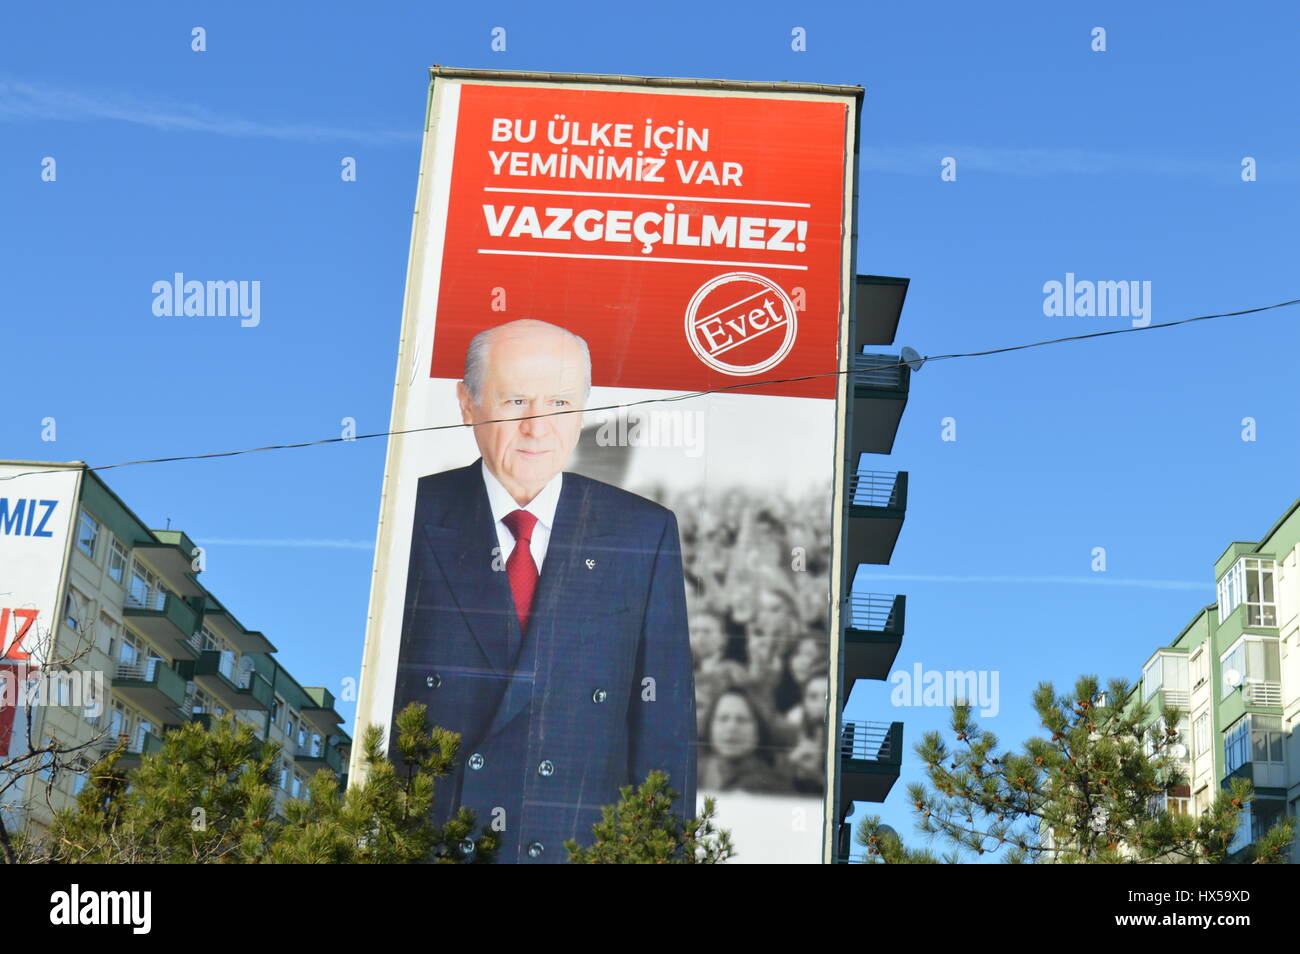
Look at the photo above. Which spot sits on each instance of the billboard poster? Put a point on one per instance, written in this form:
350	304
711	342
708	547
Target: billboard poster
582	568
37	518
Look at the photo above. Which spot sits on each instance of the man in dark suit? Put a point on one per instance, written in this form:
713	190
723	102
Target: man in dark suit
545	612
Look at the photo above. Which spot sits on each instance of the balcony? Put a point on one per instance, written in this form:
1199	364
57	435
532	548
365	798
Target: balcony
153	687
877	504
326	756
1259	692
873	636
222	622
877	308
321	715
880	386
138	745
216	674
172	556
1246	618
169	622
870	759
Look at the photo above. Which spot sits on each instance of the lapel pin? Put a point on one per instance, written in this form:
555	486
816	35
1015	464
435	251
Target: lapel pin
591	564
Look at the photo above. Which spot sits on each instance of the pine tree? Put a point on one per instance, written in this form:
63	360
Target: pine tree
208	797
642	829
1088	793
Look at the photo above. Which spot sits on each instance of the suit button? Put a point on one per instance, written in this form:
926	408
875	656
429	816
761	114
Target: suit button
600	695
433	681
546	768
467	847
476	761
535	850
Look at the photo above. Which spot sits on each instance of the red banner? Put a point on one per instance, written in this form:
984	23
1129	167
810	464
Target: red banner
694	241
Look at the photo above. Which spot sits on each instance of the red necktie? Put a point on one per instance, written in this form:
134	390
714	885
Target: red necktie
520	568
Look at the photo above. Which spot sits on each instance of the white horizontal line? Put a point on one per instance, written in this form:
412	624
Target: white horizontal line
714	354
639	195
639	258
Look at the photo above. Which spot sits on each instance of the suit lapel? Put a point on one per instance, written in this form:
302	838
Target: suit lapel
571	515
464	540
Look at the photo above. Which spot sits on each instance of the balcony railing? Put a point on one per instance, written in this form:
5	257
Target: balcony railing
154	600
1257	692
138	671
874	612
874	488
1177	699
867	741
884	371
139	742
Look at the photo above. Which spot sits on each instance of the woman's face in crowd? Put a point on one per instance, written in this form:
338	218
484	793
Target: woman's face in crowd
806	661
814	699
734	731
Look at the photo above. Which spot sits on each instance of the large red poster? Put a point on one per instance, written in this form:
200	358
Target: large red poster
694	241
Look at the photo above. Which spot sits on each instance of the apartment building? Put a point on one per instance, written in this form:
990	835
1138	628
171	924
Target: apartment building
132	641
1235	671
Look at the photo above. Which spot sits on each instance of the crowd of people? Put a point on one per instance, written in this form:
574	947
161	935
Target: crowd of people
757	583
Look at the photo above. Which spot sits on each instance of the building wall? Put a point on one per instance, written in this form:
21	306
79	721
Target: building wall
1263	696
90	632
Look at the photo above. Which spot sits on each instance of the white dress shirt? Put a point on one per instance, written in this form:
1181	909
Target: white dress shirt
542	507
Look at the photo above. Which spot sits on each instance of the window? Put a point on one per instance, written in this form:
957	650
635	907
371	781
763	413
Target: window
119	724
1168	671
1151	679
1250	581
1200	672
118	559
275	710
1201	733
1265	738
315	745
106	635
144	590
87	534
288	726
1236	745
1264	814
128	653
1252	738
1253	660
73	608
1202	799
302	734
284	777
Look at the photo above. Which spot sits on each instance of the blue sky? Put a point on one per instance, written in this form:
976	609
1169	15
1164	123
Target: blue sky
1120	165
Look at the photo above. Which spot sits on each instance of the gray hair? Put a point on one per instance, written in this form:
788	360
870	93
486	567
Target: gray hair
476	356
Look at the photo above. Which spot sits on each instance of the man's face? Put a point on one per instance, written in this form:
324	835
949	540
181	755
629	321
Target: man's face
532	369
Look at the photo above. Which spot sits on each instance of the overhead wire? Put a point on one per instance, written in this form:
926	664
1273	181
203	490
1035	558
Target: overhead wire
690	395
